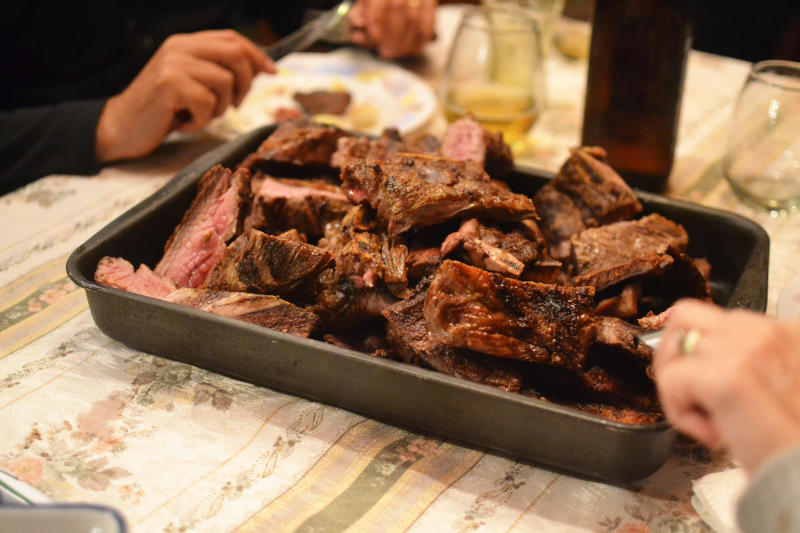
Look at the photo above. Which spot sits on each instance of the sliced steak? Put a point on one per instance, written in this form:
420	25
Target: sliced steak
560	219
609	254
327	102
214	218
422	262
466	140
488	313
424	191
260	309
652	321
118	273
585	193
369	259
506	249
284	204
615	333
300	142
624	305
407	332
384	149
265	264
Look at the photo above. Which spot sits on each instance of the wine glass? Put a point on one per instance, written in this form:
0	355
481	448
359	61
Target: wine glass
545	12
762	160
494	71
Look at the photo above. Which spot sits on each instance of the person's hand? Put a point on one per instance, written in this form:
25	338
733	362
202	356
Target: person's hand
394	28
191	79
740	386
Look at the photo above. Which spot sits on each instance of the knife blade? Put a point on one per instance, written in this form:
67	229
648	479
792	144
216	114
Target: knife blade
310	32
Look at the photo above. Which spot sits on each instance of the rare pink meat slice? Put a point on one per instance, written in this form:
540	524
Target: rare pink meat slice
260	309
466	140
541	323
421	191
214	218
118	273
265	264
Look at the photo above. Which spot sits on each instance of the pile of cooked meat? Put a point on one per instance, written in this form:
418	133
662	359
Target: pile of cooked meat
416	250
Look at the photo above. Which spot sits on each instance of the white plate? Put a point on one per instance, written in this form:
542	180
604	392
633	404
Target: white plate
383	94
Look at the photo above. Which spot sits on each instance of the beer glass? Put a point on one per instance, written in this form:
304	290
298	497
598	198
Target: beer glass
762	160
494	71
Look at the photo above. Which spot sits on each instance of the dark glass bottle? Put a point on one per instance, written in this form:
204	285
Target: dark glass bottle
633	91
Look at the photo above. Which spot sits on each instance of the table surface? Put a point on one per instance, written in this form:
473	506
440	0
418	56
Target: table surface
177	448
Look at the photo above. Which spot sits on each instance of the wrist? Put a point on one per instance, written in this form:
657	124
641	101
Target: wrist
107	136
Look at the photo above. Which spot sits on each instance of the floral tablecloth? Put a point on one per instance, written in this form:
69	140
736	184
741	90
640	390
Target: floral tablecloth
177	448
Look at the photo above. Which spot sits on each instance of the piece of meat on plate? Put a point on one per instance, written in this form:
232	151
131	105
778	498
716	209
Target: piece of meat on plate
303	205
118	273
585	193
300	142
327	102
260	309
616	252
265	264
465	139
408	333
423	191
214	218
470	308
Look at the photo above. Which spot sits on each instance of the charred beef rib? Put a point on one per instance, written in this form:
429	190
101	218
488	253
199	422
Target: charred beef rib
585	193
423	191
390	146
408	333
470	308
506	249
265	264
616	252
214	218
299	142
259	309
302	205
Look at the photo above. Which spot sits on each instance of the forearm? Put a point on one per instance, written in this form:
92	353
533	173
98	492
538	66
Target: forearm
35	142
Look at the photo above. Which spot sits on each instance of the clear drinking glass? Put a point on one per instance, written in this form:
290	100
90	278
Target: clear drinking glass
494	71
762	160
545	12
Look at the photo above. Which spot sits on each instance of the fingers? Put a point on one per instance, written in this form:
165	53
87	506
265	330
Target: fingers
677	390
220	81
396	28
223	46
200	101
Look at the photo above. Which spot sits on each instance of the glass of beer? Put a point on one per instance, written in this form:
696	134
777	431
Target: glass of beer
494	71
762	160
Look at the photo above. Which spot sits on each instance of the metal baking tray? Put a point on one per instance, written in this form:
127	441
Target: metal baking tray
393	392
